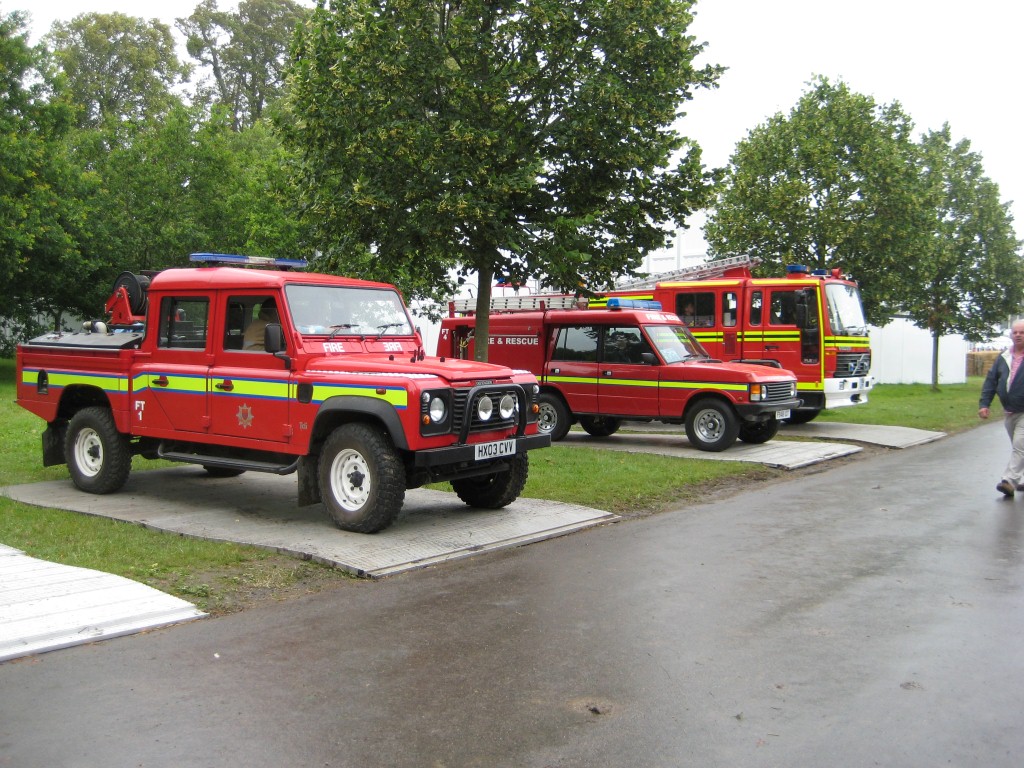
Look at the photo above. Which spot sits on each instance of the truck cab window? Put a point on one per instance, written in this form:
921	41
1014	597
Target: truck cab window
183	322
576	344
624	345
697	309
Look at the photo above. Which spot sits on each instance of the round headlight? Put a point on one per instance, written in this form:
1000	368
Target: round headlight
507	406
438	410
484	408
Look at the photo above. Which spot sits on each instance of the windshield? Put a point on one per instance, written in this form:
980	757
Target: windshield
675	343
339	310
845	313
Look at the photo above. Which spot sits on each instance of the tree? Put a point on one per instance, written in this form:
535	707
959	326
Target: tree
39	209
119	69
521	139
966	274
246	52
831	185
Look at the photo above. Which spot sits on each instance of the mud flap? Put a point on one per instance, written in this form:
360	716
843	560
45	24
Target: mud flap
309	488
53	443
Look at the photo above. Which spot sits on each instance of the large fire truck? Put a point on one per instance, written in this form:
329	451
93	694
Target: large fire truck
811	323
628	362
280	371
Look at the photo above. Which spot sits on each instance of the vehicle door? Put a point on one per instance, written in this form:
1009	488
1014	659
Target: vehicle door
628	377
572	366
791	336
170	385
250	389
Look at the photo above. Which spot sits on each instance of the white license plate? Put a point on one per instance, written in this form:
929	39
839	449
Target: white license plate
782	414
495	450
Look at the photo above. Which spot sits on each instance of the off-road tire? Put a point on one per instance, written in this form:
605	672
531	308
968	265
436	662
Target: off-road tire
99	457
711	425
757	432
497	490
600	426
362	481
802	417
553	418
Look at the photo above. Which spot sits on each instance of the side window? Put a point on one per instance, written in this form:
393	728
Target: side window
576	344
697	310
729	305
624	345
247	317
756	300
183	322
783	310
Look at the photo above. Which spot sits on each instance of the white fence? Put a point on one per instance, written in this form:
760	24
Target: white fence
901	353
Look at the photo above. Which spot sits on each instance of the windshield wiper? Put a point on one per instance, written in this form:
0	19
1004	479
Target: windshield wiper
384	327
336	329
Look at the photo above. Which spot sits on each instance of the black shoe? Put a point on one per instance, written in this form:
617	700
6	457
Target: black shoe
1006	488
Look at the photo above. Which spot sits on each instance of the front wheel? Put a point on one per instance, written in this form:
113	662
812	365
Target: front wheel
497	490
711	426
600	426
98	456
757	432
553	418
362	482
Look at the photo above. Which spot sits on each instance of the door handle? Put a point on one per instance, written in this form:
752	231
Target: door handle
771	346
606	373
161	381
225	385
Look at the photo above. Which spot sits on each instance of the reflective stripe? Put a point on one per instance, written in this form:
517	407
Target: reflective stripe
58	379
604	381
396	396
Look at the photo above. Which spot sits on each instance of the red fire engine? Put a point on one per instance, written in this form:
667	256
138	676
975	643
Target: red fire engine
630	362
811	323
278	371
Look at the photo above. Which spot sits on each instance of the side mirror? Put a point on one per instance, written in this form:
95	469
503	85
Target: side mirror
273	338
273	342
648	358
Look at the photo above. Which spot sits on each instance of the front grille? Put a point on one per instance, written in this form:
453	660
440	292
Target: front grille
464	405
853	364
778	391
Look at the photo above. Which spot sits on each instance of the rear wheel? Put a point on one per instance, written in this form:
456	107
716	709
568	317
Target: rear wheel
362	482
711	426
600	426
802	417
757	432
553	418
497	490
98	456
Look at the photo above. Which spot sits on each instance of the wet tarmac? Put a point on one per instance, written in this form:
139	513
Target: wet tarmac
865	615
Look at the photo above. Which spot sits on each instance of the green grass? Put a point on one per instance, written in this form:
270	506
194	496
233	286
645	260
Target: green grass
953	408
221	577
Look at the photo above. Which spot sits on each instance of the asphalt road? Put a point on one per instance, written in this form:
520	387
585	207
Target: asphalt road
867	614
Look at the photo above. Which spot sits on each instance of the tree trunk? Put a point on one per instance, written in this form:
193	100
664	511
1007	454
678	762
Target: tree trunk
485	276
935	358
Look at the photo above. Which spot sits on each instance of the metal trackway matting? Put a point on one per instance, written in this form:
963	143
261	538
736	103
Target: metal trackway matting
786	454
260	509
45	606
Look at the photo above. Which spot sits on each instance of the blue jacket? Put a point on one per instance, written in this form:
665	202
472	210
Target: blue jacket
996	384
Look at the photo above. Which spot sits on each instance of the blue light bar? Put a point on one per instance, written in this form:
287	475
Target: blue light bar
618	303
252	261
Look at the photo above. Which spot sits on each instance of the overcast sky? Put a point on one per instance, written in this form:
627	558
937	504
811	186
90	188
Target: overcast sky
944	61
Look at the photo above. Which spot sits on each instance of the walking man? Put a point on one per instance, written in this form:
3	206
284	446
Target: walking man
1003	380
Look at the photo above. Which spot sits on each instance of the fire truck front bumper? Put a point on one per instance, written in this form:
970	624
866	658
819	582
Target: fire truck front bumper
779	409
479	454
